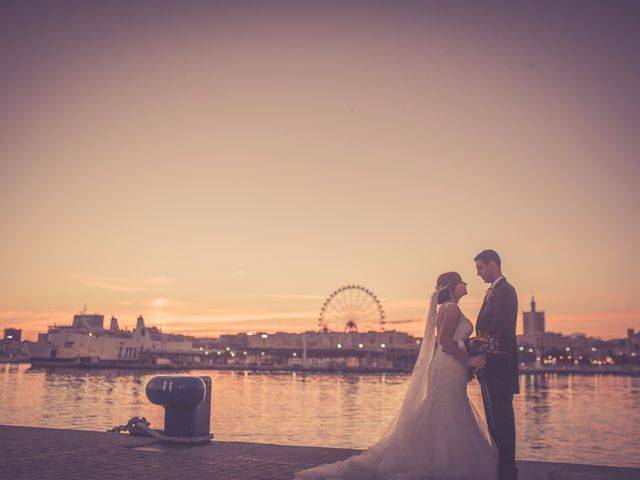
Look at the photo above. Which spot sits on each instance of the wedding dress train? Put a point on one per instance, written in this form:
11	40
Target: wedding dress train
436	435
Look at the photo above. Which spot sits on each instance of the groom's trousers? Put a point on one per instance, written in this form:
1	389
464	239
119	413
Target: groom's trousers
498	406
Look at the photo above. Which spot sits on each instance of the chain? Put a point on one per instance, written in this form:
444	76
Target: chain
140	426
130	426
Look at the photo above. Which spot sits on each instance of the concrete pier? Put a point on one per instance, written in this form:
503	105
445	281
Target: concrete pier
46	453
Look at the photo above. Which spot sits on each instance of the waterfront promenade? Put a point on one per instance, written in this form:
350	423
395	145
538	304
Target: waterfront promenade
45	453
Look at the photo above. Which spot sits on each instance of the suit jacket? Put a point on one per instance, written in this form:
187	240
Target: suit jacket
498	316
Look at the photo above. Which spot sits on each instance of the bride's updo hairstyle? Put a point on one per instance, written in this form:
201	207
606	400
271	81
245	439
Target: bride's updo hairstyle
446	283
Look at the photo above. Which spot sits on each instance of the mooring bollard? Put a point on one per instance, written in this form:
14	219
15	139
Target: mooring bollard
186	402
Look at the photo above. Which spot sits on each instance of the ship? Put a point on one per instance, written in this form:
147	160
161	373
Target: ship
87	344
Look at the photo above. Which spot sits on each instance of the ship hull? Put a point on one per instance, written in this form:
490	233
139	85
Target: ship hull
110	364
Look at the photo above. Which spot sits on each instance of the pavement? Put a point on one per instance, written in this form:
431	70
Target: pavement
47	453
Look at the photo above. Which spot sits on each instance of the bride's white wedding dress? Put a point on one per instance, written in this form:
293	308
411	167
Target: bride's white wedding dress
436	435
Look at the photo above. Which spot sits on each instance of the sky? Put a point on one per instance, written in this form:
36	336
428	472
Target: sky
219	167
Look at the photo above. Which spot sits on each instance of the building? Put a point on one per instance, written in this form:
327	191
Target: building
388	350
533	321
536	344
533	329
13	334
12	348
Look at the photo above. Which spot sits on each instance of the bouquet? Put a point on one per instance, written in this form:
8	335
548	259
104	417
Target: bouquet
486	345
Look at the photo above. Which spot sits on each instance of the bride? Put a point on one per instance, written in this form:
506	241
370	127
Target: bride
437	434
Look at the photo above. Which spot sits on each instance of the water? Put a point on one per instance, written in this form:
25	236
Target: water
574	419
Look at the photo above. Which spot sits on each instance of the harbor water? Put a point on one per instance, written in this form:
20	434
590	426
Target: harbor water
561	418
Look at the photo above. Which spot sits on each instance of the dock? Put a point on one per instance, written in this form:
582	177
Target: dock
47	453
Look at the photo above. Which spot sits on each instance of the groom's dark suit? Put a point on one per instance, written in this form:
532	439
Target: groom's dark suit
498	316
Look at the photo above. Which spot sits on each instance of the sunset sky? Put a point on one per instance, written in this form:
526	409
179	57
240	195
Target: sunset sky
224	166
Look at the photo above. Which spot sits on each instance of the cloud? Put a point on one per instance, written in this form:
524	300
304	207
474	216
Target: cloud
244	317
31	321
405	320
120	284
205	324
404	303
26	314
591	316
111	286
293	296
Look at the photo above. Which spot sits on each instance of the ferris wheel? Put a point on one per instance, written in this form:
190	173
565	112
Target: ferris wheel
351	308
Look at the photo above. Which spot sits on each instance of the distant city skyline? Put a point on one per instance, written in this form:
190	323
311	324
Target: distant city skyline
231	325
224	167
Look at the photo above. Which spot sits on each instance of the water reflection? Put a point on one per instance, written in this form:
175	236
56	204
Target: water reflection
535	395
581	419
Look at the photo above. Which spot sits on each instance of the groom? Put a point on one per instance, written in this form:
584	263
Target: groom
498	317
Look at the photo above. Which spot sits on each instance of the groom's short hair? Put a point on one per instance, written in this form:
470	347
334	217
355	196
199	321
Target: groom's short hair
487	256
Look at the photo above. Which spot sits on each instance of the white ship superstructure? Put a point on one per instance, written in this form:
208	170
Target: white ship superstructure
87	343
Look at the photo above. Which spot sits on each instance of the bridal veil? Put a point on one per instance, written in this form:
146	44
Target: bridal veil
394	440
